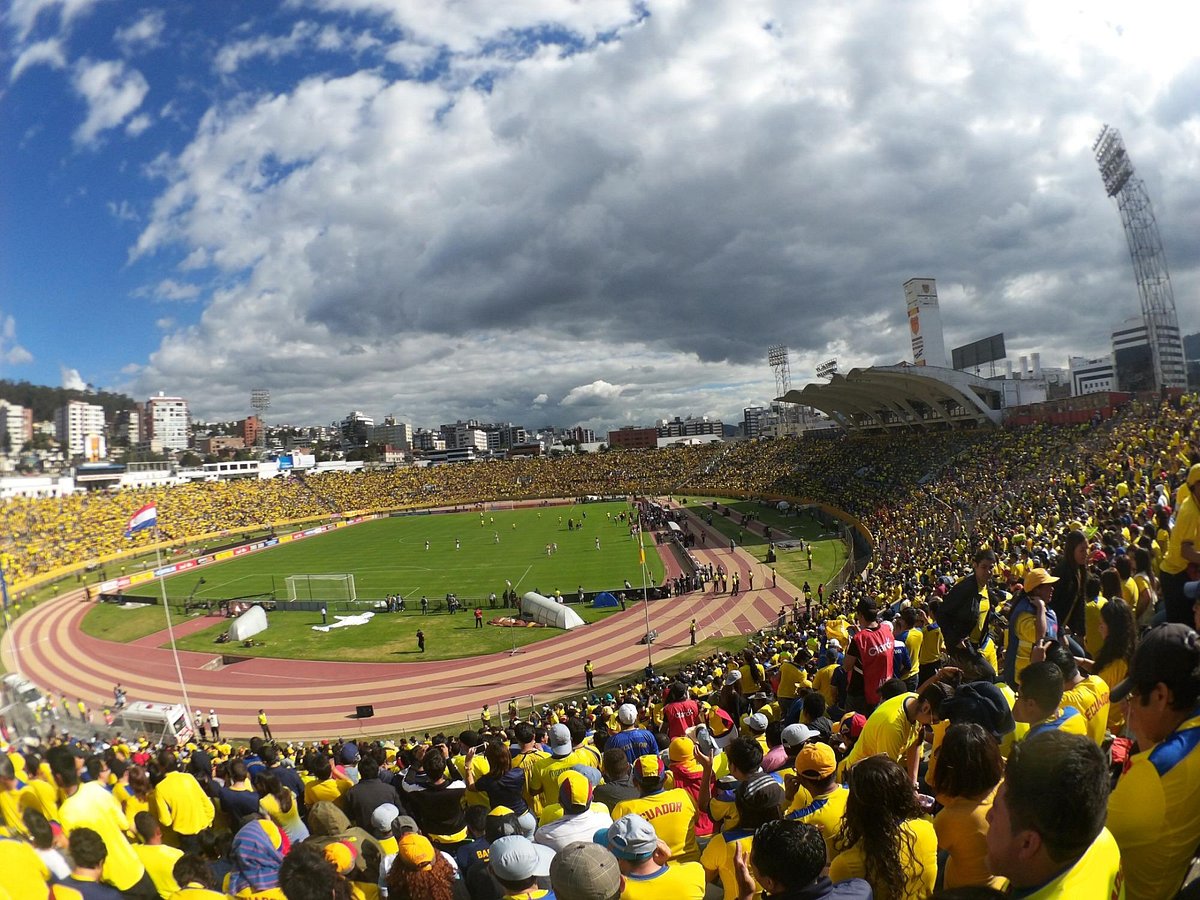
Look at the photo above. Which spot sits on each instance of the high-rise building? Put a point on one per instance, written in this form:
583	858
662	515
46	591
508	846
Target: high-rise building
167	422
1133	356
355	429
75	423
16	426
393	433
925	322
1092	376
755	420
689	427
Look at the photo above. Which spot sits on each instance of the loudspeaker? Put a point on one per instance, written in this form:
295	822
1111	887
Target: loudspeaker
364	712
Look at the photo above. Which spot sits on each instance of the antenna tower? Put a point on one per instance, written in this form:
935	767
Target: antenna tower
260	402
1149	260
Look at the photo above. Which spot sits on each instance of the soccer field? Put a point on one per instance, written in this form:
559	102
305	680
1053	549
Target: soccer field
469	555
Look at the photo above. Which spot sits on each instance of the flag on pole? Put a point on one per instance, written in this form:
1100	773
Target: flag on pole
146	517
3	584
641	551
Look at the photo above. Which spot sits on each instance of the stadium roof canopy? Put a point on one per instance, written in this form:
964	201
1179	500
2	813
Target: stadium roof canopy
903	396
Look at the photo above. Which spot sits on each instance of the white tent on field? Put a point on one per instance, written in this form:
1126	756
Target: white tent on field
545	611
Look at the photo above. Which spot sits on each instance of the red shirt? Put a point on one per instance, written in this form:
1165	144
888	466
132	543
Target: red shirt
678	717
873	651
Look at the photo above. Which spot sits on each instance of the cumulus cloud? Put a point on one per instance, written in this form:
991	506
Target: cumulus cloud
145	33
113	93
645	199
11	353
71	380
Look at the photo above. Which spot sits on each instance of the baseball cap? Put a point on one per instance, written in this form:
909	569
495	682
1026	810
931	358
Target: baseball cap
1191	589
384	815
583	871
404	824
630	838
834	643
350	753
574	791
559	738
517	858
627	714
1035	578
852	724
732	678
1169	654
757	722
648	767
981	703
760	793
795	735
682	749
415	850
816	761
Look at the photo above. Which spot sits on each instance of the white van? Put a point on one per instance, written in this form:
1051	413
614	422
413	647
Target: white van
159	722
21	690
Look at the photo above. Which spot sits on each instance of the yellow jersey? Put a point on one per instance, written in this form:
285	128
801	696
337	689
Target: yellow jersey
961	829
1090	697
718	857
1097	874
1154	815
824	812
887	731
918	859
679	882
673	815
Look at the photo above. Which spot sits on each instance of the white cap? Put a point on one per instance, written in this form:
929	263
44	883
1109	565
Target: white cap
627	714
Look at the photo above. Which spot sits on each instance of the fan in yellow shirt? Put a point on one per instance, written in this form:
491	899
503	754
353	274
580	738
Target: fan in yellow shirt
967	771
671	812
1051	843
642	858
158	858
820	801
884	837
1039	699
1153	813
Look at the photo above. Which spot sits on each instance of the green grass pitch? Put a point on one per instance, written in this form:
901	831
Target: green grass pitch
388	556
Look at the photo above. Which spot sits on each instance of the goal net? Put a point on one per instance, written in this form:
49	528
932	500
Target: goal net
321	587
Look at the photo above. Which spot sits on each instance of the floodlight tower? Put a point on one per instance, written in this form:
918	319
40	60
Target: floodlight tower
260	402
1149	260
777	359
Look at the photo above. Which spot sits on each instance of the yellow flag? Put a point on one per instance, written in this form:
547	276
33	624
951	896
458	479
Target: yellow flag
641	552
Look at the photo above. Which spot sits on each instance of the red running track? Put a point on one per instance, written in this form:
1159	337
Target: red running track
315	699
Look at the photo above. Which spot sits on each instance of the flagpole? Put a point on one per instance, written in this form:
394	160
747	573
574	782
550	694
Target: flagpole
8	620
162	590
645	599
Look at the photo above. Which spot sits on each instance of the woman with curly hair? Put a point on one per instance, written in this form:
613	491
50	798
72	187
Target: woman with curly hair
419	872
967	772
884	837
1116	652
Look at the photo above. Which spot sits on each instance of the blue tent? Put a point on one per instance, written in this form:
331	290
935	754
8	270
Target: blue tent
604	600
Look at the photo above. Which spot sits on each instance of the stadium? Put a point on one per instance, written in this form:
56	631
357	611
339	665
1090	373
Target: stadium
817	534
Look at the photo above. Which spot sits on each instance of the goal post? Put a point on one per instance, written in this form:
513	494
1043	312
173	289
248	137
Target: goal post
321	587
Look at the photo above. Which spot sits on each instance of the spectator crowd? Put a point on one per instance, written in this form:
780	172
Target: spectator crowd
1005	701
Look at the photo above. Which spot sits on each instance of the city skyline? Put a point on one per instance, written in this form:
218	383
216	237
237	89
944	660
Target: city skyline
599	214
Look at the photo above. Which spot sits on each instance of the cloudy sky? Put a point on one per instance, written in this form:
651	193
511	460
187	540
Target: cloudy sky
564	211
